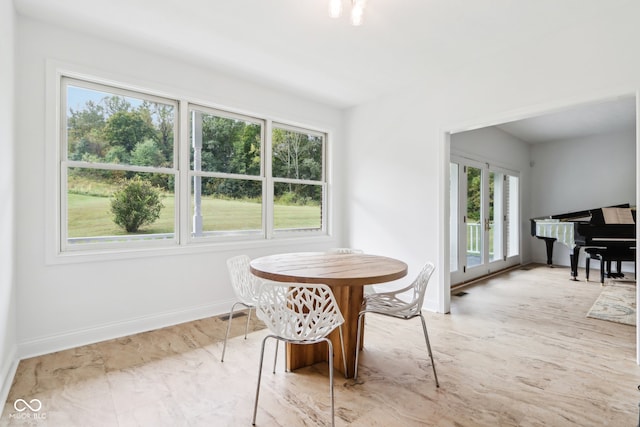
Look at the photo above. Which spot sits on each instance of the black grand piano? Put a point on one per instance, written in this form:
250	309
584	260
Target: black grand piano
612	230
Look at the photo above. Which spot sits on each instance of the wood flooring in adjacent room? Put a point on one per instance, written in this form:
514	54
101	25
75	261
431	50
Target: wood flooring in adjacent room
516	350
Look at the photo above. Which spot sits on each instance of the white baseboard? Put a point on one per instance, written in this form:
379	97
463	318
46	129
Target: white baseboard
80	337
7	374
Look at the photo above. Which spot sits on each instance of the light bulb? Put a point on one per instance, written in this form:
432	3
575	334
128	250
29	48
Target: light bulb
335	8
357	10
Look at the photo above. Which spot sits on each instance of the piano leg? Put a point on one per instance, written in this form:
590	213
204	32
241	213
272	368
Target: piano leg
574	255
618	274
549	241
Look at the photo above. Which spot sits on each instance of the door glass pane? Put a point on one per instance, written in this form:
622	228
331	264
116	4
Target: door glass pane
474	226
453	217
496	181
513	232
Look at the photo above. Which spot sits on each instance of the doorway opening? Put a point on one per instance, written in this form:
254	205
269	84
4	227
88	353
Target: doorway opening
548	179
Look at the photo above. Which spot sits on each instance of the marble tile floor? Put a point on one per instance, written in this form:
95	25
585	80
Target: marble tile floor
516	350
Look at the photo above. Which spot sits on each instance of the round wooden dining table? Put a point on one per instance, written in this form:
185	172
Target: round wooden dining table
346	274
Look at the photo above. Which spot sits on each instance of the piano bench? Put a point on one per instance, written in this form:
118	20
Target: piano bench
606	256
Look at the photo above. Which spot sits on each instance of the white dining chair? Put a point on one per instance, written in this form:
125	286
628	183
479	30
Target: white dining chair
246	287
299	313
344	251
391	304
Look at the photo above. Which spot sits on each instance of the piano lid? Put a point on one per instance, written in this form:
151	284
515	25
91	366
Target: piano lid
585	215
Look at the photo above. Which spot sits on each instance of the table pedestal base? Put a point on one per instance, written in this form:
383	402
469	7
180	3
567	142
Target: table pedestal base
349	300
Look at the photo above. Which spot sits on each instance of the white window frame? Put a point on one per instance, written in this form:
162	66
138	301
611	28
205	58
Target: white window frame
65	164
182	239
234	235
271	181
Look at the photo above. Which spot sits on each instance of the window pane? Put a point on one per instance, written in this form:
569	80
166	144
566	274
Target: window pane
297	206
297	155
95	213
222	144
226	206
103	127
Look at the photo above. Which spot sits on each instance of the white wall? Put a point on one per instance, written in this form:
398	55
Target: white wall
71	304
394	174
397	152
579	174
8	349
498	148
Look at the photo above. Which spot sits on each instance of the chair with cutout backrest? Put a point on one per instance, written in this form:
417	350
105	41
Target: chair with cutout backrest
391	304
344	251
246	287
299	313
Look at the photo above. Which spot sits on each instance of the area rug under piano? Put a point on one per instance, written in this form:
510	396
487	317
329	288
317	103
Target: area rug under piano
616	303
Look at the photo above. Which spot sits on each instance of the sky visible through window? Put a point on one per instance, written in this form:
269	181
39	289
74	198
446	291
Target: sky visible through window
77	97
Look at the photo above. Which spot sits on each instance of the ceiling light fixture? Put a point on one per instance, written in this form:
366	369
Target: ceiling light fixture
357	10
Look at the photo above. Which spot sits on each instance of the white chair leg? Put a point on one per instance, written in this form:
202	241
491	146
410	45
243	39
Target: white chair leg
426	337
255	406
286	353
275	358
331	380
226	336
246	328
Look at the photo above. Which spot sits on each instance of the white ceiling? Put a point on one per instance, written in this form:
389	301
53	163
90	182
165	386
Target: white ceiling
294	46
616	115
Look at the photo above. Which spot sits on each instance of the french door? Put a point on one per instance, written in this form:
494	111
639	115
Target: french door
485	218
